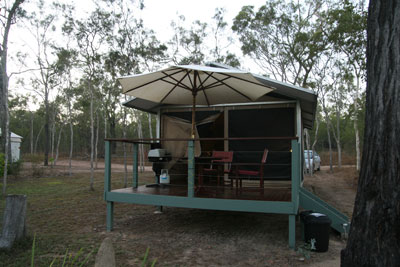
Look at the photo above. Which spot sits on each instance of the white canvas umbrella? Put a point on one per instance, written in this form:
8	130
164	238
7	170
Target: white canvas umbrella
193	84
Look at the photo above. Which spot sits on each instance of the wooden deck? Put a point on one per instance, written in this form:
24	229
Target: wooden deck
227	192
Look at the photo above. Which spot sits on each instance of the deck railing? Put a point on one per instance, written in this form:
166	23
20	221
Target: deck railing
191	201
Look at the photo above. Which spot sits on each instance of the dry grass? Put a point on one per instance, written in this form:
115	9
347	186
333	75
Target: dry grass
65	214
347	159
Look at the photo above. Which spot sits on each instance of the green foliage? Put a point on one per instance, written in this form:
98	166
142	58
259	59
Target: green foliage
36	162
145	258
68	260
285	38
12	167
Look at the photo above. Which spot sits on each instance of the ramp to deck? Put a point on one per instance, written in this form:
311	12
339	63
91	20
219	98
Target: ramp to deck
309	201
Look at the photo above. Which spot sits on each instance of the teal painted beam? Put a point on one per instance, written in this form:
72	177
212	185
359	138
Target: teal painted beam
309	201
135	171
278	207
292	231
110	216
107	167
191	168
295	175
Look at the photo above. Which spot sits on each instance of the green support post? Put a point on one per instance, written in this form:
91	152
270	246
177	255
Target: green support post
292	231
295	192
110	215
295	175
135	165
107	186
191	169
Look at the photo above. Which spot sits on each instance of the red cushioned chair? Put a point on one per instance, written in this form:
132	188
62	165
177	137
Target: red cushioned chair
247	173
214	169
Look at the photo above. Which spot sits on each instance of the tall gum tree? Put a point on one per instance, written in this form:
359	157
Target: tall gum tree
89	35
7	18
43	27
286	39
347	29
374	237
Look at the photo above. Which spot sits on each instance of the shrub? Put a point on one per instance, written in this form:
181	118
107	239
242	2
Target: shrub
36	161
12	167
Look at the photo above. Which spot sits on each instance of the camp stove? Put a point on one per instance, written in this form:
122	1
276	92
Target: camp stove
158	157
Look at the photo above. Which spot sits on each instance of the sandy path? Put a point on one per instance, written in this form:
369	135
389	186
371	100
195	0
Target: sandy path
84	166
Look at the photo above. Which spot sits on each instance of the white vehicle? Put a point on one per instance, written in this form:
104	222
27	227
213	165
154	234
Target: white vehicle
314	161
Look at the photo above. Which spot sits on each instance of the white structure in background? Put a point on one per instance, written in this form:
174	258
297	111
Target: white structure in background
15	146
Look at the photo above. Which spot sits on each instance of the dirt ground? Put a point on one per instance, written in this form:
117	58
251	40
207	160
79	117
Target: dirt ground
190	237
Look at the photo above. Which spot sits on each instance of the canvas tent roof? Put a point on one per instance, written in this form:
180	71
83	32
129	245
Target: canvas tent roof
307	98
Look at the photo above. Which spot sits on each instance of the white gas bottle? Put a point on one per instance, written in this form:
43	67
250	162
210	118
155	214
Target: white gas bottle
164	176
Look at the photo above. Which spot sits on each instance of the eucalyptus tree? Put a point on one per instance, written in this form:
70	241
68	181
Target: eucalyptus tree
187	44
9	14
337	96
285	38
347	27
131	49
374	233
66	61
47	78
201	42
223	40
89	34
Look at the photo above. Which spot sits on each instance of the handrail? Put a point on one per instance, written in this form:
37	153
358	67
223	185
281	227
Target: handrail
151	141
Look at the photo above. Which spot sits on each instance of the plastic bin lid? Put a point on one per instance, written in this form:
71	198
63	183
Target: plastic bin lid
318	218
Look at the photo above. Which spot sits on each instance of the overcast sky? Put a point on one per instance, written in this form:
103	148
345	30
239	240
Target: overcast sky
157	15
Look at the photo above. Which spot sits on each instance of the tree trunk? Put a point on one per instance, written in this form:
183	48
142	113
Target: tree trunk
46	128
37	138
310	168
358	153
53	134
316	134
141	146
71	129
71	146
9	16
58	144
113	134
356	131
338	140
31	133
374	238
14	217
91	138
330	147
150	126
6	154
4	113
124	148
97	140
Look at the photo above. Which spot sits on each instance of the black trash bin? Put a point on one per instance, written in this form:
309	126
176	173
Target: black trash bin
303	216
317	227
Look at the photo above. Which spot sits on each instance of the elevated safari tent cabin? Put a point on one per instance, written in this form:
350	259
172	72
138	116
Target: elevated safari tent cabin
265	137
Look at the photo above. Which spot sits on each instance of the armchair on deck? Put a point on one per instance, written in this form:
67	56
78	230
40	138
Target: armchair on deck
214	170
249	173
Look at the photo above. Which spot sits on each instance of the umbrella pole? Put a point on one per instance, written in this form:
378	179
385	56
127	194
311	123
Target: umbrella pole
191	163
194	116
191	149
